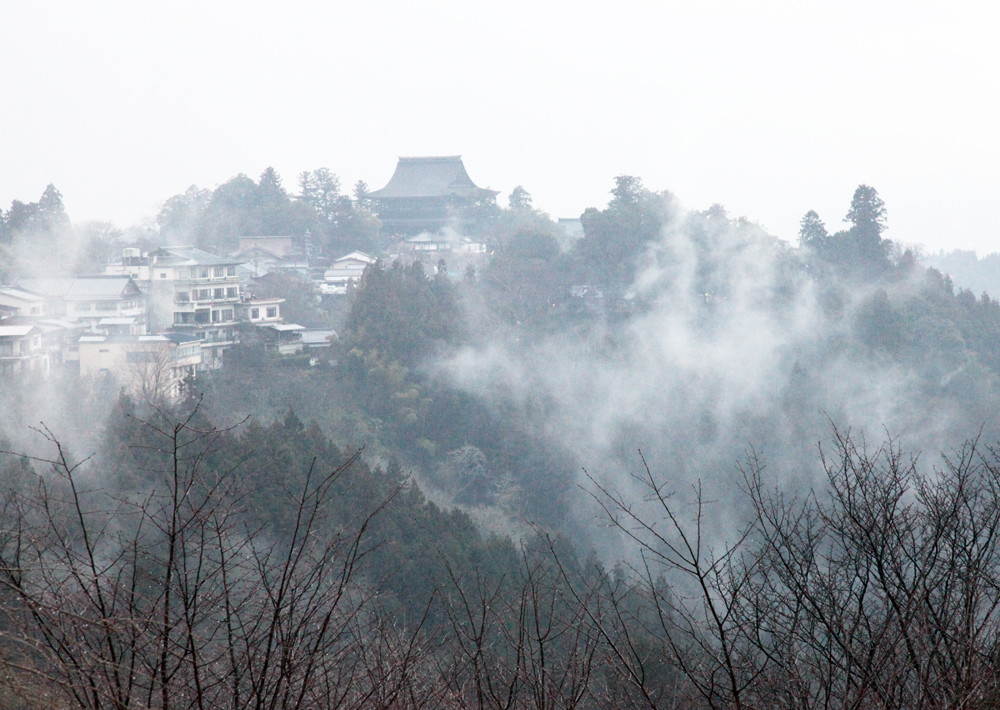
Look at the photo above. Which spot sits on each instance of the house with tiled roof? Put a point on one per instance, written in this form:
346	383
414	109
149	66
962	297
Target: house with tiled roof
106	303
345	271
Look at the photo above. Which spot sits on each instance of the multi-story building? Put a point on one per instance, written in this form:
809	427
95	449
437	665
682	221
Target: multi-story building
24	303
150	367
189	291
21	349
109	304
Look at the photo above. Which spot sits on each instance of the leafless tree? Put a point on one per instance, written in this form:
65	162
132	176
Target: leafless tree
150	373
177	599
881	590
520	641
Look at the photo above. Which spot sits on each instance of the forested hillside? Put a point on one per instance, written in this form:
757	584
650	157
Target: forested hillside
577	476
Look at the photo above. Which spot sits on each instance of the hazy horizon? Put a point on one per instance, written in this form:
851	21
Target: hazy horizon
771	111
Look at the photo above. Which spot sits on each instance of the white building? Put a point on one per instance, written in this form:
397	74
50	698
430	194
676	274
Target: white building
108	304
262	311
24	303
345	271
21	349
190	292
149	367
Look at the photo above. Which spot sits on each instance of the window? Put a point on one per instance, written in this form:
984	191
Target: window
254	313
163	274
230	271
272	311
218	271
227	314
219	293
215	316
182	297
204	294
232	292
203	272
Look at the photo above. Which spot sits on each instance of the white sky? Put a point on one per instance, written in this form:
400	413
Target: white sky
770	108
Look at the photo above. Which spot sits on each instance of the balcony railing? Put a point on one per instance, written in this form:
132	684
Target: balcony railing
210	299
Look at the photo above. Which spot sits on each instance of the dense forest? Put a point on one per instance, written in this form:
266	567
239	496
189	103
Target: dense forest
674	462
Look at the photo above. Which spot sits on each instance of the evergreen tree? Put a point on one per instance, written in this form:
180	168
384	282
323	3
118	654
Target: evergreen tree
615	237
812	232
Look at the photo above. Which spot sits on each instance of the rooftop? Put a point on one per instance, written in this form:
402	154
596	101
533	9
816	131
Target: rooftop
15	330
21	294
176	338
190	256
429	177
83	287
357	256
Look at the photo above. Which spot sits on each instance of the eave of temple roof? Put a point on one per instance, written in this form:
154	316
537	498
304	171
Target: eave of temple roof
430	177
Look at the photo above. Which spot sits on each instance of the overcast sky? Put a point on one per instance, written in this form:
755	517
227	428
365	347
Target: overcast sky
770	108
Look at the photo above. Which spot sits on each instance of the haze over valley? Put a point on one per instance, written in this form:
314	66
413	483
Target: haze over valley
521	357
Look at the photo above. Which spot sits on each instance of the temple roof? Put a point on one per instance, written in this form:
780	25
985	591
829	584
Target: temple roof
429	177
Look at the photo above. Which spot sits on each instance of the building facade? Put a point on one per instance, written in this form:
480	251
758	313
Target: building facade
108	304
345	271
21	349
190	292
151	368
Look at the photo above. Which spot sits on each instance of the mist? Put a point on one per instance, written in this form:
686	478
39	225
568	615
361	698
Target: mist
732	348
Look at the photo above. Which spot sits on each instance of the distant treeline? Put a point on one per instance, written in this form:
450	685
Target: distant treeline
966	270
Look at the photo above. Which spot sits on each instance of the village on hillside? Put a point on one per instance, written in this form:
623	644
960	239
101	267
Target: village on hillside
153	318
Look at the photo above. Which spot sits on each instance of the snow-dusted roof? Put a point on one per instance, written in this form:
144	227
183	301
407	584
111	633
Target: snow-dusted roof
357	256
83	287
176	338
21	294
15	330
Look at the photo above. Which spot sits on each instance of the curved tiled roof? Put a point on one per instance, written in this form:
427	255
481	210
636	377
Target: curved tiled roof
429	177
